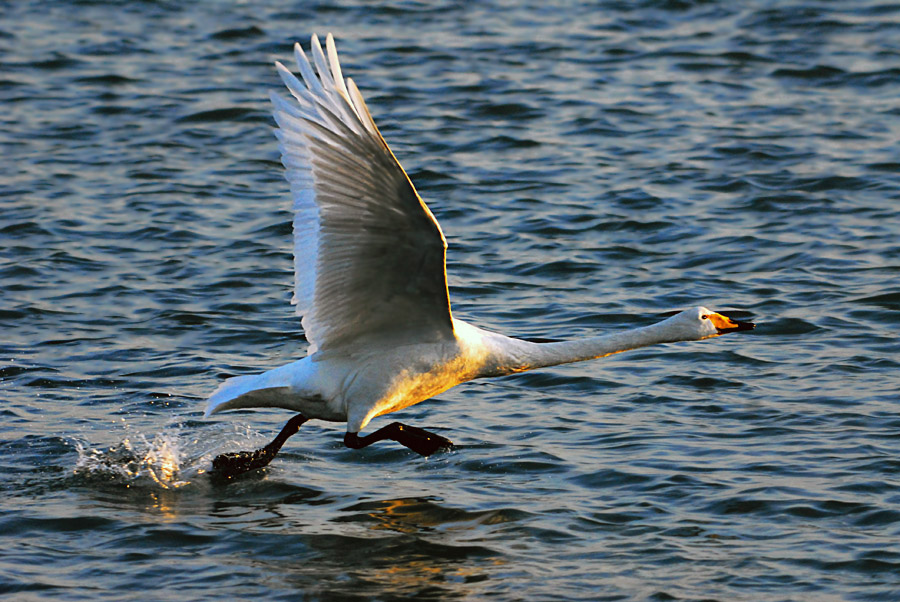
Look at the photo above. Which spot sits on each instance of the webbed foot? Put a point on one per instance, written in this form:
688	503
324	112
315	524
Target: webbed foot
419	440
227	466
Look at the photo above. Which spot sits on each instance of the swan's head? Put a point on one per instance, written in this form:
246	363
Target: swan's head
703	323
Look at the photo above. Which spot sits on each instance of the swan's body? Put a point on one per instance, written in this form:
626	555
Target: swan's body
362	382
370	278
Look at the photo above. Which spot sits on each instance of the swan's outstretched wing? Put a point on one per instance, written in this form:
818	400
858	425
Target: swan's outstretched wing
369	256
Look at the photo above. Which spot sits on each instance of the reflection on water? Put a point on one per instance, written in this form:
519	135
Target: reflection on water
418	515
413	562
408	515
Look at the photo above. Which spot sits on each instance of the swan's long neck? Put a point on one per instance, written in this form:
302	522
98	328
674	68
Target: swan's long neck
515	355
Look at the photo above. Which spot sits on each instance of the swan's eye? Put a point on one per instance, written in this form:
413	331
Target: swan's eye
704	317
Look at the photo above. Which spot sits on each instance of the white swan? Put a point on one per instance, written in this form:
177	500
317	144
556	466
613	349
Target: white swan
370	283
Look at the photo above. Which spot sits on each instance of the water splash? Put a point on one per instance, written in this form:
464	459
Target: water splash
160	460
170	459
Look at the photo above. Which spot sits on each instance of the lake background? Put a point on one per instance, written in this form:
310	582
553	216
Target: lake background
594	166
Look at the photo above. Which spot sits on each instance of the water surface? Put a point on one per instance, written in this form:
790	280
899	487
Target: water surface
594	166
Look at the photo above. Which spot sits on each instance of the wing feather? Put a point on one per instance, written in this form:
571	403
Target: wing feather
369	256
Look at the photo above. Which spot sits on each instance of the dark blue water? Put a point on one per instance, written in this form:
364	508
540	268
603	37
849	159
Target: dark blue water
594	166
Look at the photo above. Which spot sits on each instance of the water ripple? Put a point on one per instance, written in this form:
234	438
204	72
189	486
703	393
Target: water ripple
594	167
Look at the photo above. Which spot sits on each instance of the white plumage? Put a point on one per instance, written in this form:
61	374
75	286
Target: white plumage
370	280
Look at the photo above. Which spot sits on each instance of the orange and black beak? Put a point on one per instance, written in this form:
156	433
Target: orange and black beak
725	324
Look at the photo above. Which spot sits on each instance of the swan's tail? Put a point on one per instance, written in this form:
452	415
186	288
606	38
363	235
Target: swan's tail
253	391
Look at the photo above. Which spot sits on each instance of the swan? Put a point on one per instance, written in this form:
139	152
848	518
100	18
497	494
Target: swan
370	285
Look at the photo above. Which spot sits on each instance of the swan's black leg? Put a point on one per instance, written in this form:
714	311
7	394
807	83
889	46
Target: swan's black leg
419	440
228	466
